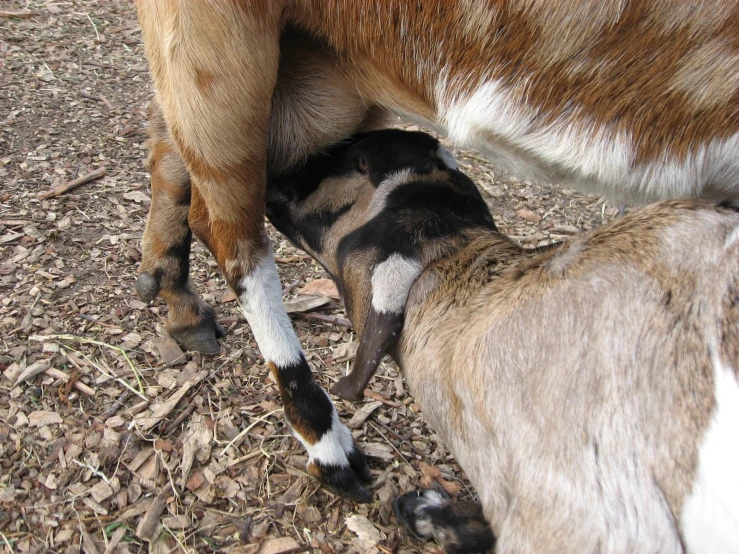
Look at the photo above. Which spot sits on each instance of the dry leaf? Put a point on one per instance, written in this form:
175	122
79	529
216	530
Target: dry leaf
283	545
228	296
528	215
321	287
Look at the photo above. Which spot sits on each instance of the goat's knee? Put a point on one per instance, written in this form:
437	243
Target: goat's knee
459	527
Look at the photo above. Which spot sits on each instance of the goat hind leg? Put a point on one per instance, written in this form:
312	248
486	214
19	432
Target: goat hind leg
165	265
215	72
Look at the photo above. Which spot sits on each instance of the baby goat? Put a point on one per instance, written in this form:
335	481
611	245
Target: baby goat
589	389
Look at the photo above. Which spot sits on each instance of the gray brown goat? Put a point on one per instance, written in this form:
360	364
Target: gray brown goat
589	389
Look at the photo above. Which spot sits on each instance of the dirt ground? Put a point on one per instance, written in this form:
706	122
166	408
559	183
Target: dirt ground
111	439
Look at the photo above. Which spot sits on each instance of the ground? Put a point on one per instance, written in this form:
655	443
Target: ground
111	440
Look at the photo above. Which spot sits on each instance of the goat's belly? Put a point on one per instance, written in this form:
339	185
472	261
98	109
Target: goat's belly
578	152
710	517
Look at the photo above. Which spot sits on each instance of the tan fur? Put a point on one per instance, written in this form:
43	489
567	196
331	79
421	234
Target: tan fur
575	384
646	90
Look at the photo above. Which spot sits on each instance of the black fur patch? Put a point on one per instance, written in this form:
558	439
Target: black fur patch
306	405
420	211
459	527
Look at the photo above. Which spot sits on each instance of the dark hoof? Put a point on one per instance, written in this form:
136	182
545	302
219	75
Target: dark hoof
343	481
203	337
458	527
147	287
346	388
358	463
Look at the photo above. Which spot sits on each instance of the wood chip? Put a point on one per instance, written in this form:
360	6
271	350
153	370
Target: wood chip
87	544
16	14
31	371
361	415
170	352
118	535
101	491
430	474
136	509
305	303
528	215
228	296
42	417
378	450
159	411
177	522
148	524
363	528
283	545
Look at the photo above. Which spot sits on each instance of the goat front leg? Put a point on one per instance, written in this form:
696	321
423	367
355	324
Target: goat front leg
165	265
214	69
459	527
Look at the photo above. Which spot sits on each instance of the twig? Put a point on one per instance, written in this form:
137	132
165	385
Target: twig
21	14
66	187
369	393
110	412
97	35
106	102
288	289
187	412
259	419
121	351
333	319
390	443
395	435
7	542
289	259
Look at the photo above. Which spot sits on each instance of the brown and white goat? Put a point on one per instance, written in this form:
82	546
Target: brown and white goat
634	99
589	389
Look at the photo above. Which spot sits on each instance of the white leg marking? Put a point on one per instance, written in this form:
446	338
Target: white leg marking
710	515
261	302
392	281
332	447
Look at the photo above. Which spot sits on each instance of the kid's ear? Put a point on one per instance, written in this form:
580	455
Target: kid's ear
391	281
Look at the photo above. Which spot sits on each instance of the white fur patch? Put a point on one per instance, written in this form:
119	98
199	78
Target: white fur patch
386	187
585	155
261	302
710	515
447	157
391	282
332	447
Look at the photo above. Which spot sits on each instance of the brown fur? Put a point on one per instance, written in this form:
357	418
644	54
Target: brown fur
660	73
574	385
